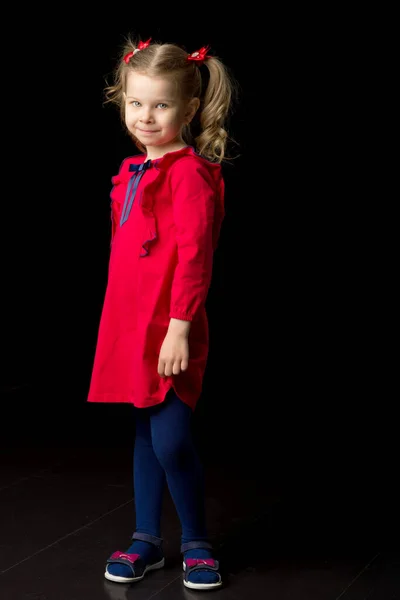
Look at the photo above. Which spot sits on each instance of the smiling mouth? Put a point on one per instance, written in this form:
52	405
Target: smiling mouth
146	130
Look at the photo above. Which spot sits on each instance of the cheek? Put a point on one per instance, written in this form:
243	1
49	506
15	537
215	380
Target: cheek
129	114
173	122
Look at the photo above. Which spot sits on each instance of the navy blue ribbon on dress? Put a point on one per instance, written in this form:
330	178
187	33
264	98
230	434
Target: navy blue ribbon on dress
138	171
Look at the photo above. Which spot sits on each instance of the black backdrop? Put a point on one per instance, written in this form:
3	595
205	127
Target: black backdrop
293	383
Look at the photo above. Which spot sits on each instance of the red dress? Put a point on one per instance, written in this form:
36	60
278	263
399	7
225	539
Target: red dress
160	268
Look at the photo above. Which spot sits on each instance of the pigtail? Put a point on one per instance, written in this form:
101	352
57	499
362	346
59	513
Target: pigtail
215	109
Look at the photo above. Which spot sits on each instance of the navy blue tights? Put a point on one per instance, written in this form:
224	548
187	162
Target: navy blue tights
164	451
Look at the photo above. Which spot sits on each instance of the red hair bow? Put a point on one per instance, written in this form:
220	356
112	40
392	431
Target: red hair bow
199	55
141	46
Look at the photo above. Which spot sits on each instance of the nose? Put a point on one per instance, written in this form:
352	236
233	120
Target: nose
146	115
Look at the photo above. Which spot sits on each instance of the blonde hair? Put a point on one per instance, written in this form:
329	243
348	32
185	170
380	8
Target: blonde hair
172	61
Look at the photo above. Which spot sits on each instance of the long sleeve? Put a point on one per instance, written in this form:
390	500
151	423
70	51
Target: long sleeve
194	199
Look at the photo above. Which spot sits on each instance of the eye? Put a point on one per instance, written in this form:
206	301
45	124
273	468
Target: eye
135	103
162	105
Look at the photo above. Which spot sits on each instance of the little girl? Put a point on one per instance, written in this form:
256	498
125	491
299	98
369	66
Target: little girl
167	210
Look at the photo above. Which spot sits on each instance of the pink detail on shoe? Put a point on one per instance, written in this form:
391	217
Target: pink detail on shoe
193	562
130	557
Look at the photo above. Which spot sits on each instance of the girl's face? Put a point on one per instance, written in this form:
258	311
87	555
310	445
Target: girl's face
155	112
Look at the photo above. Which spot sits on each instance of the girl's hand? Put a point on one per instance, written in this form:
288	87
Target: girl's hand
174	353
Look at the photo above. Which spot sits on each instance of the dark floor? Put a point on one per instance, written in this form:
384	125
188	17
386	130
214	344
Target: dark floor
282	531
